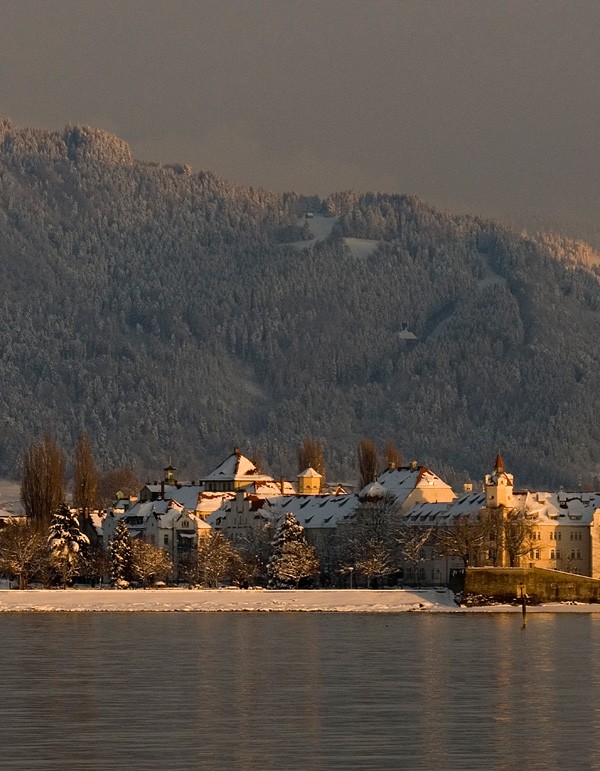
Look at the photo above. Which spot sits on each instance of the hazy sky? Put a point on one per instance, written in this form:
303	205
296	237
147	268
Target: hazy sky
487	106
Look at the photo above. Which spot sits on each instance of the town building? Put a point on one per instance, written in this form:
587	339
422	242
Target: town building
561	530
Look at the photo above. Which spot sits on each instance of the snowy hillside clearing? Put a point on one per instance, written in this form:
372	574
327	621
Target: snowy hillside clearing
361	248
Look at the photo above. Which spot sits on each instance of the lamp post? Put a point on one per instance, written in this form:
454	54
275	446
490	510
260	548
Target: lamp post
350	571
523	604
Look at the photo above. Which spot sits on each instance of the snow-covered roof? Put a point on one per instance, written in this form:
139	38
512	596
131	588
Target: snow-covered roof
562	508
209	502
167	512
469	503
236	468
309	472
402	481
424	513
269	489
186	495
373	490
316	511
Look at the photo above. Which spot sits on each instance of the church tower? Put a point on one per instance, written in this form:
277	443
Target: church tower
499	486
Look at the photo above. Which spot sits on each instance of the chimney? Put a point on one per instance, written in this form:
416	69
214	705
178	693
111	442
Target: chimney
413	464
391	465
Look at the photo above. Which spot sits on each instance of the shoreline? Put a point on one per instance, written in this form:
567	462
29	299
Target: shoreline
169	600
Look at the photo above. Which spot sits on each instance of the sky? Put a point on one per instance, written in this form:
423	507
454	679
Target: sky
488	106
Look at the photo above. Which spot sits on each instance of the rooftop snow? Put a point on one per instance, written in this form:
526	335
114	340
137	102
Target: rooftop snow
236	468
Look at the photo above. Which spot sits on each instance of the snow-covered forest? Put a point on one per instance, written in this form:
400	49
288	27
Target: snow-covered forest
171	314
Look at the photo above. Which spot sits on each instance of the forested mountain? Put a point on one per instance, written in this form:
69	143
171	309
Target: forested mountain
174	315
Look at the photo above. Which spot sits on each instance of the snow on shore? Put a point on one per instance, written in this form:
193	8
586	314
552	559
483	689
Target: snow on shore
215	600
325	600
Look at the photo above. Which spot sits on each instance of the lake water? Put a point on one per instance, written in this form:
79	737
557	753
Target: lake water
298	691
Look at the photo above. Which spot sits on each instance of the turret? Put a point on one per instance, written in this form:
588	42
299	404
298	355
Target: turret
170	475
309	482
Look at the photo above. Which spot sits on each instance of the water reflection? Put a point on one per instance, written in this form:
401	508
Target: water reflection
311	691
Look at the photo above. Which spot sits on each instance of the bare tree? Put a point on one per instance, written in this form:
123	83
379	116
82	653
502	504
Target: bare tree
23	552
256	547
150	564
518	534
367	543
310	455
214	560
368	461
85	477
392	455
43	483
97	565
508	534
464	537
492	521
123	479
411	540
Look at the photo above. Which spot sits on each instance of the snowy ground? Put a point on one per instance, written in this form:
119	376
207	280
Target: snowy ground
355	600
10	496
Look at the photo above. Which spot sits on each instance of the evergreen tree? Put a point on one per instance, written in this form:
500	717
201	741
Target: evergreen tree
121	557
67	544
293	557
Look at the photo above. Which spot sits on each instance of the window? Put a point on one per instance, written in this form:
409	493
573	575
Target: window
166	540
559	535
537	554
572	554
571	535
551	554
578	554
558	554
185	523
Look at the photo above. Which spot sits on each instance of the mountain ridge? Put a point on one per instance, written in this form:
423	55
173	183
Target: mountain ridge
167	313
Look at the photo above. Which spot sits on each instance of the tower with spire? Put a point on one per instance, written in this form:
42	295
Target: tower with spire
499	486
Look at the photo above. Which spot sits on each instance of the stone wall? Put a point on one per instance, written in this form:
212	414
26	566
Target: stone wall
503	585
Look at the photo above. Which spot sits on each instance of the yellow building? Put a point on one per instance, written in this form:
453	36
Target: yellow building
233	473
